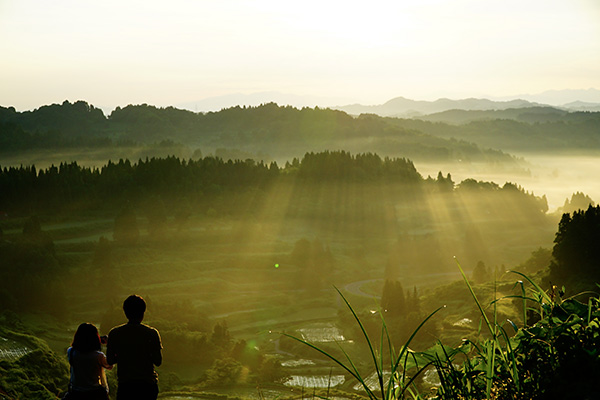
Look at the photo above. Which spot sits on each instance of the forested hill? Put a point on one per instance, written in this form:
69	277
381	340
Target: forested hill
522	130
530	115
270	130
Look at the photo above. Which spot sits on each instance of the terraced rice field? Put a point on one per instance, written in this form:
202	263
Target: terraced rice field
11	350
318	381
322	334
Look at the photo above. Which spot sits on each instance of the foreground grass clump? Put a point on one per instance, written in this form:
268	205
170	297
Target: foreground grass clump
556	357
555	354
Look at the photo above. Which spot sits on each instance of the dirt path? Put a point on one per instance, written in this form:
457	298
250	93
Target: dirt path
355	288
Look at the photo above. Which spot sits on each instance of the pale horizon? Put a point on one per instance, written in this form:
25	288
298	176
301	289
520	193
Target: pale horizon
118	53
217	103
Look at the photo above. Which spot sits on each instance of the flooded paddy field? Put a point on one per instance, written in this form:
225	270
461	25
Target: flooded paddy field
12	350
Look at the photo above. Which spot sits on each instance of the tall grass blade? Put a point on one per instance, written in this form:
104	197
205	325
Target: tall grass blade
543	295
512	359
524	304
489	373
487	321
378	371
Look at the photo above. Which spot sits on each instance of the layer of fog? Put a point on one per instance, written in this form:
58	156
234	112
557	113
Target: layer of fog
556	176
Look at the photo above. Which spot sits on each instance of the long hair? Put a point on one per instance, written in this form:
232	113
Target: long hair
86	338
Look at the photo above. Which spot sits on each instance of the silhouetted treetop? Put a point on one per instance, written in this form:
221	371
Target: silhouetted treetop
361	167
579	201
577	247
77	118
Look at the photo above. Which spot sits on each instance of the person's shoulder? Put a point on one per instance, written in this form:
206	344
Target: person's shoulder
116	329
152	335
149	328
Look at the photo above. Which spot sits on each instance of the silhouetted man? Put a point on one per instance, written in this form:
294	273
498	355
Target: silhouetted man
136	349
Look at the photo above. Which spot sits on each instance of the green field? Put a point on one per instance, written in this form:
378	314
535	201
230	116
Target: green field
244	273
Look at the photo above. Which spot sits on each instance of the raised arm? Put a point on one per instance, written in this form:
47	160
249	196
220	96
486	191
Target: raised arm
103	361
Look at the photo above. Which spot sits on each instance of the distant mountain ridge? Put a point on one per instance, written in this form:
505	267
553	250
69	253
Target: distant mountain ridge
570	100
562	98
407	108
403	107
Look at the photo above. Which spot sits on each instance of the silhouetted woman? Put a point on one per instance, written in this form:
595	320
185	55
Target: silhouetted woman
88	380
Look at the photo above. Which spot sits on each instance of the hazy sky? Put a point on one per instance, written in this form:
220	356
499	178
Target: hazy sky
113	53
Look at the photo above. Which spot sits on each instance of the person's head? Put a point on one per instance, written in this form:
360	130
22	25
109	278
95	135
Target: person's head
86	338
134	307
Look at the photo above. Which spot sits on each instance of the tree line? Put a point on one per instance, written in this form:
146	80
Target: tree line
72	186
269	128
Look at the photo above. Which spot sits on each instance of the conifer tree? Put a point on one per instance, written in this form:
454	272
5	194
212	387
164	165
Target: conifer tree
393	300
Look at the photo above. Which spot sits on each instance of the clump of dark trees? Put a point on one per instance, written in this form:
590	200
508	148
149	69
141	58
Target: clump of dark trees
28	268
576	252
